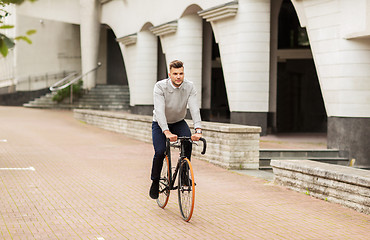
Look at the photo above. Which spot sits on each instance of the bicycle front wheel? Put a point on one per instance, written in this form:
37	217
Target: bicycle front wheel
186	189
164	184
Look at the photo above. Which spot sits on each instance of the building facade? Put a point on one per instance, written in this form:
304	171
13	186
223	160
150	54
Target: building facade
284	65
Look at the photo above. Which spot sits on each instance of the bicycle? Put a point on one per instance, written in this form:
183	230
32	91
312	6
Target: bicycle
184	171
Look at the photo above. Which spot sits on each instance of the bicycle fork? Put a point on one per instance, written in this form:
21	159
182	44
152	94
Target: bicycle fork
173	178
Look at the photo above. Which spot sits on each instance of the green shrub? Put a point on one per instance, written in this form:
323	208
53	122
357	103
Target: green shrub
66	92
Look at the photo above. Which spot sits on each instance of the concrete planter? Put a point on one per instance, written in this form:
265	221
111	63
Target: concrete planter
339	184
230	146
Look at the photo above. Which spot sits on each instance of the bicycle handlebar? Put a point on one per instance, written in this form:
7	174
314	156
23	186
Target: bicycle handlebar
204	145
168	144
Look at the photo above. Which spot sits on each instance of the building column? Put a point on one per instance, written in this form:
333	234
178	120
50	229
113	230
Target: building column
340	47
90	34
242	30
128	49
182	40
351	136
145	75
275	10
140	54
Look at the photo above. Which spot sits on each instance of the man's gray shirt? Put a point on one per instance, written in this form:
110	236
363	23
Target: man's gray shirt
170	103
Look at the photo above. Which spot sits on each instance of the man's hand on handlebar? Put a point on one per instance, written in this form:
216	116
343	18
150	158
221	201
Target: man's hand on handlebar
170	136
196	136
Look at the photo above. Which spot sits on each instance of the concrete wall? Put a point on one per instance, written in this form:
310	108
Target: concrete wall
230	146
339	184
62	54
7	73
55	48
67	11
19	98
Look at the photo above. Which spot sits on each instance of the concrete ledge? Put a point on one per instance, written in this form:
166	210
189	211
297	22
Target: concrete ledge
340	184
230	146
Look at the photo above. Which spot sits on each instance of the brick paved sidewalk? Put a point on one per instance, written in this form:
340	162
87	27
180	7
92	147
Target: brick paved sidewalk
63	179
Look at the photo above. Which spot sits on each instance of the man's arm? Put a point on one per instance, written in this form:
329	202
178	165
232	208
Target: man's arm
159	107
195	115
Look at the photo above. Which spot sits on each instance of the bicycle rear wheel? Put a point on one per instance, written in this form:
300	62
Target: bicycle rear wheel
186	189
164	184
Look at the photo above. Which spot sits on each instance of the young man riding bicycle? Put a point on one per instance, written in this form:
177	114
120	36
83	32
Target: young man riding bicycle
171	98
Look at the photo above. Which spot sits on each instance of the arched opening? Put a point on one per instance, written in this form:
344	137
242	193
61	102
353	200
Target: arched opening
116	71
215	105
162	71
299	103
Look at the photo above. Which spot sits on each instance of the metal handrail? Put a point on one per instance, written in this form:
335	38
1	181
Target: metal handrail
56	87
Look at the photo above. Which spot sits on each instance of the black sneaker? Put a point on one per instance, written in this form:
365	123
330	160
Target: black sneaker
154	189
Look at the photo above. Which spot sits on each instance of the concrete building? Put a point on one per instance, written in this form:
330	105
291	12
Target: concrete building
284	65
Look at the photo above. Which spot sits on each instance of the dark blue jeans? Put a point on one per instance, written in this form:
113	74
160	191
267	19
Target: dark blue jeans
181	129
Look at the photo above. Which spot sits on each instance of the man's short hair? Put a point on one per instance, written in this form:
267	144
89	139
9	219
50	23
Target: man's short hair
176	64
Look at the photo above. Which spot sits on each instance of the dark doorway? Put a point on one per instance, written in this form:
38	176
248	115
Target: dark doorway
300	106
215	102
162	72
116	71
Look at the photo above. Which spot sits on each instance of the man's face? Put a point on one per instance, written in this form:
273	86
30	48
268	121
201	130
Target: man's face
177	76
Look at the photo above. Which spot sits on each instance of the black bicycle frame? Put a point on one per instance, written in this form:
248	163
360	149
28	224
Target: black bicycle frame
172	179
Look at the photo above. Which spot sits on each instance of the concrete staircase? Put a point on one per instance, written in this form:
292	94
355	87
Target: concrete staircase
321	155
102	97
45	101
106	97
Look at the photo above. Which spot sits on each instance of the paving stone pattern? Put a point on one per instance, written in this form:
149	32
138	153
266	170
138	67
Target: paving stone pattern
62	179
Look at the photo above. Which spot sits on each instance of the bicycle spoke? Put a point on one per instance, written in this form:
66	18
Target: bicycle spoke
164	188
186	189
186	200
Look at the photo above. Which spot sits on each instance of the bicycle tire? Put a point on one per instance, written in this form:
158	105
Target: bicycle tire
164	184
186	189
